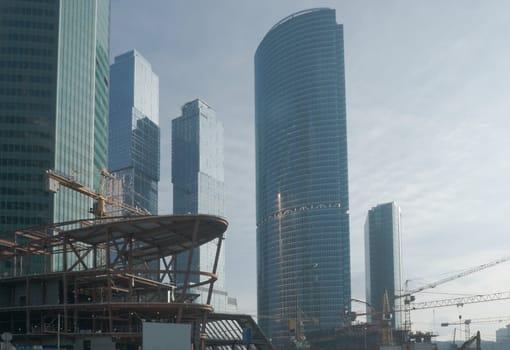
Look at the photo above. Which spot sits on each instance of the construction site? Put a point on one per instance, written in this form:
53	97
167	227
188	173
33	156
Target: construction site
98	283
105	289
106	282
375	331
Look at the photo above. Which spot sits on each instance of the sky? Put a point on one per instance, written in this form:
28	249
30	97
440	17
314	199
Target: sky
428	102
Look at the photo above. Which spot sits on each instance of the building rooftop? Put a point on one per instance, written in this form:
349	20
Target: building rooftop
297	14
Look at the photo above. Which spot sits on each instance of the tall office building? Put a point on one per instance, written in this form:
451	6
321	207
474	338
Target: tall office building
54	75
383	261
134	142
301	170
198	187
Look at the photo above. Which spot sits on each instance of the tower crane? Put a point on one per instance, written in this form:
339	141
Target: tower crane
382	318
385	327
461	301
55	179
408	295
468	322
491	319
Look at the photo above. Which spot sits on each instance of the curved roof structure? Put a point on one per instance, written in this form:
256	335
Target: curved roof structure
107	285
157	236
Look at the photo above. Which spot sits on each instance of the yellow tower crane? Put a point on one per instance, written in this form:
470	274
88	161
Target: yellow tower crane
56	179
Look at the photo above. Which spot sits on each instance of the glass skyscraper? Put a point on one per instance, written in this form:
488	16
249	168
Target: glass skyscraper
134	142
198	184
303	256
54	76
383	261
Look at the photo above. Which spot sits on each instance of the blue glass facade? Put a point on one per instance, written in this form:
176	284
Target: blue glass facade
53	106
303	254
383	260
134	142
198	183
82	101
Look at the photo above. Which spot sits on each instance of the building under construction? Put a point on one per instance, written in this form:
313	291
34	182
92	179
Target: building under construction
91	285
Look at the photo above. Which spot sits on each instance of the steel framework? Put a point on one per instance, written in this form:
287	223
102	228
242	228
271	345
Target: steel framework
94	277
461	301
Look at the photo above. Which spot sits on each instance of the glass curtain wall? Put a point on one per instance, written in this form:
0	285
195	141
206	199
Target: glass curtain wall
303	258
53	106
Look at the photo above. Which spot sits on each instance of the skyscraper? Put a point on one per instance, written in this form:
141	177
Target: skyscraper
134	142
198	187
301	170
54	76
383	260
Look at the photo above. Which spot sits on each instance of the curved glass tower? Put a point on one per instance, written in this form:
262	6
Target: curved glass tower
302	185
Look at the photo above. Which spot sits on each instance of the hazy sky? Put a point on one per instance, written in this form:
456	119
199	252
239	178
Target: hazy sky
428	102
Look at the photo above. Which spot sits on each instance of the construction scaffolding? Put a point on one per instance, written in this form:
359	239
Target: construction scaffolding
98	280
